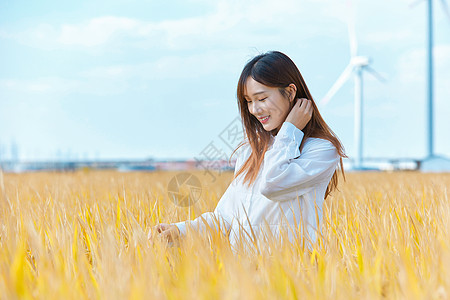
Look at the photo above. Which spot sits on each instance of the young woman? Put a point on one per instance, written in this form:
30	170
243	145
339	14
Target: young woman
286	166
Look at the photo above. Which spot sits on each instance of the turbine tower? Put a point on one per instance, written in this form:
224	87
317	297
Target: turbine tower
430	89
358	64
432	162
430	79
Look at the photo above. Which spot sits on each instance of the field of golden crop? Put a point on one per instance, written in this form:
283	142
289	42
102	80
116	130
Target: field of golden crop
84	235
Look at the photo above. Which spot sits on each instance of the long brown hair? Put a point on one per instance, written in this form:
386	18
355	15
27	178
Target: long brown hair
275	69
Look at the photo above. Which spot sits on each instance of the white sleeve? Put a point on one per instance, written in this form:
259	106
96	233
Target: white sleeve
211	219
221	214
287	173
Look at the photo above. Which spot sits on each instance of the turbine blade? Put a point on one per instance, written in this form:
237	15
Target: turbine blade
445	8
375	74
337	85
351	29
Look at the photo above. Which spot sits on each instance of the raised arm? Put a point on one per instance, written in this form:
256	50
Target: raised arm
288	173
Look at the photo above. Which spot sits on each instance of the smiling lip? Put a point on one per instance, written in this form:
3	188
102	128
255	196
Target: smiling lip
264	119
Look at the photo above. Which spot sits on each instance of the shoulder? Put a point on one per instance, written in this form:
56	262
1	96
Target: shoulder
319	145
313	141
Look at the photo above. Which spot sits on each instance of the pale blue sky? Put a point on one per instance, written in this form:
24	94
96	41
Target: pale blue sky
138	79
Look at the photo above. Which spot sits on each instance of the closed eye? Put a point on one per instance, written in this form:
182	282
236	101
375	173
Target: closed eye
250	101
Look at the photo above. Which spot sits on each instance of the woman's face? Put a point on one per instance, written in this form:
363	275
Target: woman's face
266	103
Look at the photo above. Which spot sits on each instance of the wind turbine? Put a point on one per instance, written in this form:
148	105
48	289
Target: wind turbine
357	65
431	161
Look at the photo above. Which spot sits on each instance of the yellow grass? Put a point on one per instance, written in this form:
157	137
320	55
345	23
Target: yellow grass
84	235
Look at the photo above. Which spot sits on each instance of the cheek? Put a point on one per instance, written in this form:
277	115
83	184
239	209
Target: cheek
279	109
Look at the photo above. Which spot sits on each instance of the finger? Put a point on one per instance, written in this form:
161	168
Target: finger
310	106
167	236
300	104
171	232
303	102
161	227
156	228
307	104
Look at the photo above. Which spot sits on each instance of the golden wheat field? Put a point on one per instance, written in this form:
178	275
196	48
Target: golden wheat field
84	235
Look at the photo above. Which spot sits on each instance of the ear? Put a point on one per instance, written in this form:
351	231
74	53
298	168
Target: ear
292	91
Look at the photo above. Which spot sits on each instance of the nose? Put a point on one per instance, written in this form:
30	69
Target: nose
255	107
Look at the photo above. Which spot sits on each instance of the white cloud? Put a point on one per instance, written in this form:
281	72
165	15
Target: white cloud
42	85
389	36
411	76
409	92
411	67
113	79
59	86
230	22
172	66
97	31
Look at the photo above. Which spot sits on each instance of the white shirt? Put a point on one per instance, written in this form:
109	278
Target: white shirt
289	186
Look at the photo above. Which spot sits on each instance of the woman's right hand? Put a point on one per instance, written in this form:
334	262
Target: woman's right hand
301	113
167	232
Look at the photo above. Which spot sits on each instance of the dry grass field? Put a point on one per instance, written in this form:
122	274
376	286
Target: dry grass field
84	235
